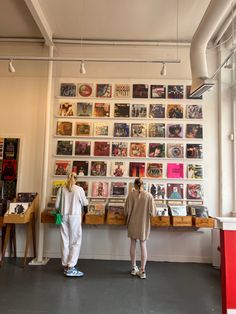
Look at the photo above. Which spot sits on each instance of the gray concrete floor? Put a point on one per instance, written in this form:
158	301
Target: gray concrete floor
107	288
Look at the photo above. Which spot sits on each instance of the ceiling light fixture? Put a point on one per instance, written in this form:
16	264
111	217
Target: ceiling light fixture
11	68
82	68
163	69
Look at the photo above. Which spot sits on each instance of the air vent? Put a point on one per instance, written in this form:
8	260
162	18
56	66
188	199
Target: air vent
197	91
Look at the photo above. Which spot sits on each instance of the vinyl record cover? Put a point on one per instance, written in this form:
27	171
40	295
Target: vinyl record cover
175	191
194	131
175	91
118	189
119	149
100	189
85	90
10	149
62	167
195	171
80	167
194	151
121	129
156	150
175	170
122	91
116	209
178	210
104	90
194	112
157	111
175	150
138	111
158	91
82	148
64	128
154	170
64	147
138	130
83	128
84	109
194	191
66	109
175	130
101	110
175	111
161	209
122	110
158	191
137	150
98	168
118	169
136	169
101	129
9	169
97	208
101	149
140	91
156	130
68	90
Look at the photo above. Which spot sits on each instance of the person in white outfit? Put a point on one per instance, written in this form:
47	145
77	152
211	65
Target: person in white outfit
72	198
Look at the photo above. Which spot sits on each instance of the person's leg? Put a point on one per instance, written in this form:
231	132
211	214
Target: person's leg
64	241
133	252
134	268
143	246
75	232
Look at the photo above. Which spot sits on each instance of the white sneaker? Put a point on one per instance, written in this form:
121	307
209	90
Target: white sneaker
142	274
134	271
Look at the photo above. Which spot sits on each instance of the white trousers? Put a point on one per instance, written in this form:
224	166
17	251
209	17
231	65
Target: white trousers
71	236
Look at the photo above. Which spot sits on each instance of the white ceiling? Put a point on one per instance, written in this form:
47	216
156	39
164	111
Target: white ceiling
135	20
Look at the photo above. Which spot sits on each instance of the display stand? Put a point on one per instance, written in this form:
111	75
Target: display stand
28	218
227	227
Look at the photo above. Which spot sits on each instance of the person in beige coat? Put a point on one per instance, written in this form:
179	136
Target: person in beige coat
139	206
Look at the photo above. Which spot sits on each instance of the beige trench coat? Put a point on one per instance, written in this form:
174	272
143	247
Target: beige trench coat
138	210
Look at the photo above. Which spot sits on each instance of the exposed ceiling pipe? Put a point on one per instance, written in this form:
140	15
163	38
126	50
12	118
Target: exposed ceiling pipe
224	28
213	17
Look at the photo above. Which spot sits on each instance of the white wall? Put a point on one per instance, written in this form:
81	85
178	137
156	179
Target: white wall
23	97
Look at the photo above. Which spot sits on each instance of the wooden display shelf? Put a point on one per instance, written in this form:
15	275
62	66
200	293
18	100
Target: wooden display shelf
160	221
94	219
181	221
201	222
25	217
115	219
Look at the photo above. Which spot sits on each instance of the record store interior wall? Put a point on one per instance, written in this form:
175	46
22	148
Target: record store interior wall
23	103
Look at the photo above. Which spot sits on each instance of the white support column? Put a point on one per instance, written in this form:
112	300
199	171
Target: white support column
40	260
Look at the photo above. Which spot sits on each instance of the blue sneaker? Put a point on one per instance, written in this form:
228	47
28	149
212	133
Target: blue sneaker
73	272
65	270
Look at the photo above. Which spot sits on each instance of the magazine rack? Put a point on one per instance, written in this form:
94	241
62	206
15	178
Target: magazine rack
27	218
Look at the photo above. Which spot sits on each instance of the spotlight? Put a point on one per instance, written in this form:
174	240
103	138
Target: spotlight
11	68
163	69
82	68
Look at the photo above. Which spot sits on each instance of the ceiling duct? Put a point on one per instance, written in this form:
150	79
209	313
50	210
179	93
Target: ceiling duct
212	19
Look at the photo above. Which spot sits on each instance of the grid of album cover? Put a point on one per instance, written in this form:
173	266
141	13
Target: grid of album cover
118	189
160	141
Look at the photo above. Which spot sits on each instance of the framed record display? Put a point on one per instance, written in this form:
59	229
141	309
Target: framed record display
110	132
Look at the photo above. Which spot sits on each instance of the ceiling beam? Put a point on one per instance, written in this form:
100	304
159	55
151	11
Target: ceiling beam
40	20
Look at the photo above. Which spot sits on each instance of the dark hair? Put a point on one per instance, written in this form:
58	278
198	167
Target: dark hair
139	183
